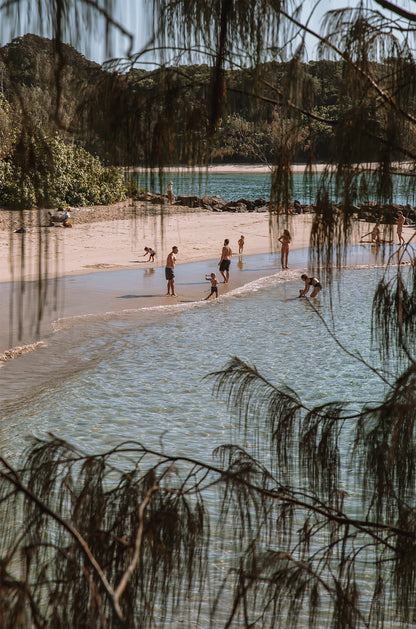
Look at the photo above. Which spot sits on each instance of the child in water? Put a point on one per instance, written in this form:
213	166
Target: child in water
285	239
214	285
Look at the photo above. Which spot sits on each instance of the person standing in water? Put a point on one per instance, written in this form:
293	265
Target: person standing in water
169	271
285	239
225	261
241	245
310	281
214	285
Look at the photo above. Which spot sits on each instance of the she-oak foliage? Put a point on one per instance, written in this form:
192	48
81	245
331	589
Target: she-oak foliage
132	537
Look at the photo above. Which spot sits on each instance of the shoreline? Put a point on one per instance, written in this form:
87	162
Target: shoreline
112	238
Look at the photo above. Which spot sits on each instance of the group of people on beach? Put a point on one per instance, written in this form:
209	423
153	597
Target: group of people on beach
375	233
224	267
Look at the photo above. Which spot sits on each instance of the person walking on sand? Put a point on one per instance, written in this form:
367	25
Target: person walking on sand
400	220
285	239
214	285
151	252
376	233
169	191
169	271
241	245
225	261
310	281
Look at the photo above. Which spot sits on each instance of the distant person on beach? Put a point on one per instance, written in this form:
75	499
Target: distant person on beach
214	285
151	252
169	271
400	220
285	239
225	261
241	245
169	191
376	233
310	281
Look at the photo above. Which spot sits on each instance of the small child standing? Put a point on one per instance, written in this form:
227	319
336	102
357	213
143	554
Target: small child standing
285	239
214	285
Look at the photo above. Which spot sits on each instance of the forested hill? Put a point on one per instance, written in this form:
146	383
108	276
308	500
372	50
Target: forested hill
117	116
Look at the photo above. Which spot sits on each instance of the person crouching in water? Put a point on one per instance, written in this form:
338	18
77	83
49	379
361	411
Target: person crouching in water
214	285
310	281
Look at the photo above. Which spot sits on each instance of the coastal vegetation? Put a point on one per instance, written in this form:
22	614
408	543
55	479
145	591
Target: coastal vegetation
124	537
70	176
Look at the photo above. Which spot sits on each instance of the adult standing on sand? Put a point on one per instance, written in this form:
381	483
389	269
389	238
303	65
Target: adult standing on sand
169	271
400	220
225	261
169	191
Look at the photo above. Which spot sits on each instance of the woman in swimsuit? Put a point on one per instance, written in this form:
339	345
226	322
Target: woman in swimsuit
400	222
310	281
285	239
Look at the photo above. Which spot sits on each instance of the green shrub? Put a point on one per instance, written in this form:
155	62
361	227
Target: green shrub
58	174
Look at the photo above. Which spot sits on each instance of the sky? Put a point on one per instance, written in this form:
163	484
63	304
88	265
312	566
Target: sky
132	16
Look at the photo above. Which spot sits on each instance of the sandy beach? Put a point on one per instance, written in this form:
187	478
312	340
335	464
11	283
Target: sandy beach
113	237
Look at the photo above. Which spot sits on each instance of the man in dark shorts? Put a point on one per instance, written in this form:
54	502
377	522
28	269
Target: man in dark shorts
225	261
169	271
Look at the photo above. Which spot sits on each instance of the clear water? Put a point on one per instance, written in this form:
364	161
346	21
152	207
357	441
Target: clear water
232	187
143	377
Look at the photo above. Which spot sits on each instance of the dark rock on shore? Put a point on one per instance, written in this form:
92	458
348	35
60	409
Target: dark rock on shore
370	212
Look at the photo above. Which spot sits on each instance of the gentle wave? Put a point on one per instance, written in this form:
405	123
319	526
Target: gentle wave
19	350
182	306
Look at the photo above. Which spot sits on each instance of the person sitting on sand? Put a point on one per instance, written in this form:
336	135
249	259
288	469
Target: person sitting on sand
169	271
310	281
225	261
241	245
60	218
285	239
151	252
214	285
400	220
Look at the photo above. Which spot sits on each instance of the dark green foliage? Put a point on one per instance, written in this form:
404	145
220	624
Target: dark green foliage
47	173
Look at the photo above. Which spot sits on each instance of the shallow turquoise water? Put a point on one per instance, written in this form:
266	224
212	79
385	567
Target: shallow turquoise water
144	378
257	185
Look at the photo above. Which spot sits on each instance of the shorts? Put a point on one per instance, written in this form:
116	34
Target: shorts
225	265
169	274
214	289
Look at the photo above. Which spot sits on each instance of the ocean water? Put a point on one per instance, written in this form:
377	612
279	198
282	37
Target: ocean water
140	373
232	187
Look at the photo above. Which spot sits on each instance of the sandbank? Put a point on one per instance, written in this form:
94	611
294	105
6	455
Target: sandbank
113	237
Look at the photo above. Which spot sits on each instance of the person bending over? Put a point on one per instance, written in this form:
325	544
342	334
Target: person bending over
310	281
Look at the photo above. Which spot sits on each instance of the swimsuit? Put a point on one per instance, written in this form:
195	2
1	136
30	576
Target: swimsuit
225	265
169	274
214	289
